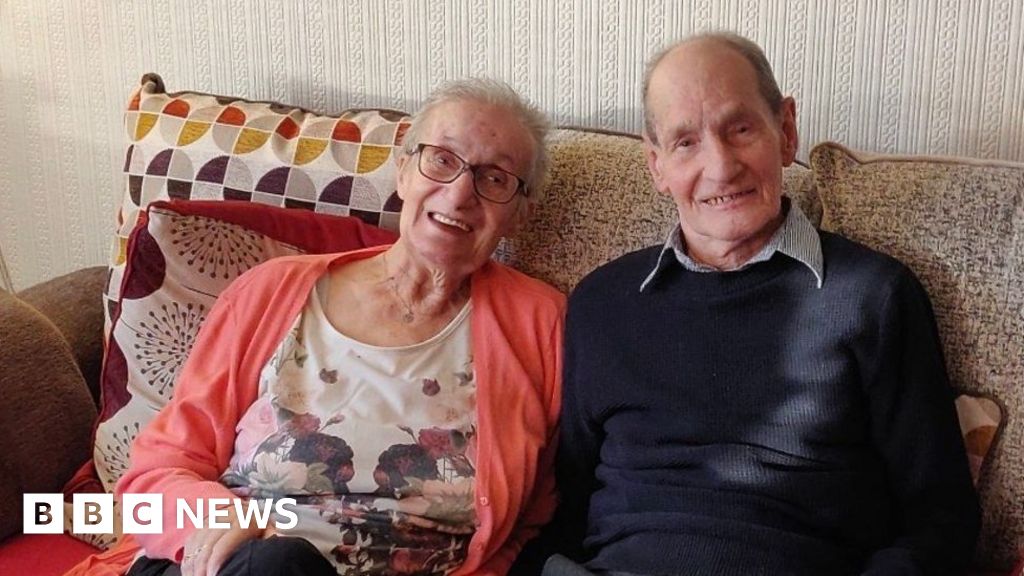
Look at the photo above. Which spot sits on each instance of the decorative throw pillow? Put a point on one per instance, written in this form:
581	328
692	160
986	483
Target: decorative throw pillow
180	257
959	225
189	145
979	422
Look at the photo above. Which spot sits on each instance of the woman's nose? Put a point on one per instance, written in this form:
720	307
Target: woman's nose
463	188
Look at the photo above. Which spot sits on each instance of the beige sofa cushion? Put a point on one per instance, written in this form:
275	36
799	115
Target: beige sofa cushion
959	224
601	204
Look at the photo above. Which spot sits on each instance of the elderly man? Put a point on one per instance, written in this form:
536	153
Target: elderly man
755	396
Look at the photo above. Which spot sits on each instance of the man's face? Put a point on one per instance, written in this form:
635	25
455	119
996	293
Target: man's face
720	151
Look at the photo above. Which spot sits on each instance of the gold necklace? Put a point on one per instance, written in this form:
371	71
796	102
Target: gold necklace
408	317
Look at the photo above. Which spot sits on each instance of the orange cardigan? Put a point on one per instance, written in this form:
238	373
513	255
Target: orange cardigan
516	325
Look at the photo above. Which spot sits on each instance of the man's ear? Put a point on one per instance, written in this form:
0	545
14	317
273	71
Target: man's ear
790	138
651	152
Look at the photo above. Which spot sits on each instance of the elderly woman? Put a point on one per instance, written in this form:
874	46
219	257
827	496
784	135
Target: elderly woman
404	396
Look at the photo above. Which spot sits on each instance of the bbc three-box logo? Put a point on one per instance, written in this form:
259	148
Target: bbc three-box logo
143	513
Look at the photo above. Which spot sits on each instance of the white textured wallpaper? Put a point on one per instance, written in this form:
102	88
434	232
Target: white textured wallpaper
909	76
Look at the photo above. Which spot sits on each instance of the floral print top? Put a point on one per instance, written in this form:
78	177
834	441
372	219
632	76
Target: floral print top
376	444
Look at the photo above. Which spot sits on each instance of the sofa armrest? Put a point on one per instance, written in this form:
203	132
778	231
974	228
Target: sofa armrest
74	304
46	412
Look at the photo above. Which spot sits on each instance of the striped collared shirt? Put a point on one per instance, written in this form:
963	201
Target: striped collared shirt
796	238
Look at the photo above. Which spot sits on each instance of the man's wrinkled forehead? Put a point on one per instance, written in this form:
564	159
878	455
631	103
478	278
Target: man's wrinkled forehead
705	62
697	74
713	118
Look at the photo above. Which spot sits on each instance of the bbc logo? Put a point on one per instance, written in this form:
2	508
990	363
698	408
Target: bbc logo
92	514
143	513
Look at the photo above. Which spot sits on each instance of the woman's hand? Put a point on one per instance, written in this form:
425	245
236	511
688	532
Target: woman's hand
207	549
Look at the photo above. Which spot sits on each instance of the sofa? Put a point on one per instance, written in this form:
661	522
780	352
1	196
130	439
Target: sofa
66	356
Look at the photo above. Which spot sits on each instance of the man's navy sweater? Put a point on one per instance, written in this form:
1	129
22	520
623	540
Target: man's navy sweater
751	423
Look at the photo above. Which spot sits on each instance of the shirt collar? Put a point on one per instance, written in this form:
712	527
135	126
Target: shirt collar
796	238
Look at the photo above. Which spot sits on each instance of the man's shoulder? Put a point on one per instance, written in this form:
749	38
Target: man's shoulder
623	275
850	256
851	265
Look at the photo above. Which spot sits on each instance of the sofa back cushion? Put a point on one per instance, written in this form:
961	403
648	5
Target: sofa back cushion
959	224
601	204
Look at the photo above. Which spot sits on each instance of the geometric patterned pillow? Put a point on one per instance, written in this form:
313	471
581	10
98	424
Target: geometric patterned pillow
190	145
979	423
180	257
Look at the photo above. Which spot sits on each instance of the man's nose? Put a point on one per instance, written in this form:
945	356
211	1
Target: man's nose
721	163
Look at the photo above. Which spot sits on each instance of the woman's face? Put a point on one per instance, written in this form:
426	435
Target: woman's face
449	225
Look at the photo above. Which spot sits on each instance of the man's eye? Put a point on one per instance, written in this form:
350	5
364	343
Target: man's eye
442	160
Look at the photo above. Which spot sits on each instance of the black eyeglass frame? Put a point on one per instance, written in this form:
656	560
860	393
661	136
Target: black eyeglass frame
521	187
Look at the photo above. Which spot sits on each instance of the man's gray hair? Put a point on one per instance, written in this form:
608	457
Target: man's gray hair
766	83
501	95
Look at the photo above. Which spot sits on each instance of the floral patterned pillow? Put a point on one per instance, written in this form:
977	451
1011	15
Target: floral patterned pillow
179	258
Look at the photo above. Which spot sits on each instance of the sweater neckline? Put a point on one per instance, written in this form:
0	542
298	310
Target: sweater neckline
694	285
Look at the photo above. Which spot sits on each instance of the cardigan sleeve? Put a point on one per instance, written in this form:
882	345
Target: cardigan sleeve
182	453
914	427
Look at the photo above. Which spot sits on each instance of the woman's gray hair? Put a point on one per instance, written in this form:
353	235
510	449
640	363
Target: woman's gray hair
494	93
750	51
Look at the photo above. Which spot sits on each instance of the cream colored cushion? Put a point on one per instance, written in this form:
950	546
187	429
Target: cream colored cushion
959	224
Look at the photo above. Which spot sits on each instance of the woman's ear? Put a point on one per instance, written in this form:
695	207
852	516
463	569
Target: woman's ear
520	217
402	160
